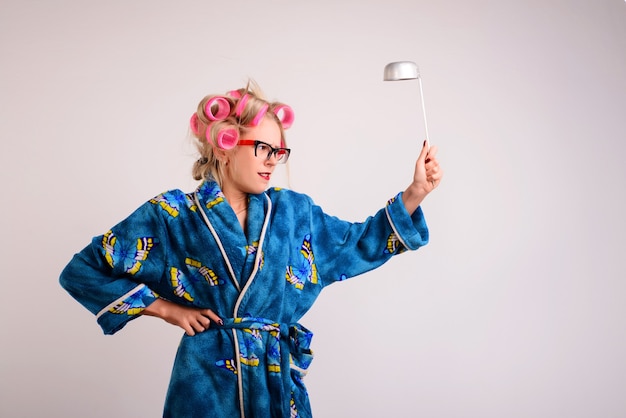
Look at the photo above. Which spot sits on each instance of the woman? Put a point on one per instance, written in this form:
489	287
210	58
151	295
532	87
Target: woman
236	264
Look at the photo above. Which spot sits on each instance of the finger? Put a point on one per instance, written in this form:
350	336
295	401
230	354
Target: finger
189	330
432	169
205	322
212	316
432	152
198	326
435	178
433	174
423	153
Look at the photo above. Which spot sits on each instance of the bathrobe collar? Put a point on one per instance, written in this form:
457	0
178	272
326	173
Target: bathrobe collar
241	252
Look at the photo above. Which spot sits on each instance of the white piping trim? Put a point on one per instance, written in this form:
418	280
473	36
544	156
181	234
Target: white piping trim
301	370
219	243
118	300
394	228
257	258
242	411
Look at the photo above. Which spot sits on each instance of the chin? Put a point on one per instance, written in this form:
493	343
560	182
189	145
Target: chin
258	189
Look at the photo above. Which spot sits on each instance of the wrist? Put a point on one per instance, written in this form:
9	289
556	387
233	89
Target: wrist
413	197
156	308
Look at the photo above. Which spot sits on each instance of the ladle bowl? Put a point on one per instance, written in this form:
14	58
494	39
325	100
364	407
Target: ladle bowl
401	70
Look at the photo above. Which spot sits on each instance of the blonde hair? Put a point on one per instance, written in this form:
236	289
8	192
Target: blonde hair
208	166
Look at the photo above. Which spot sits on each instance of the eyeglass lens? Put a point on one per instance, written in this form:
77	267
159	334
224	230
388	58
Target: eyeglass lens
265	151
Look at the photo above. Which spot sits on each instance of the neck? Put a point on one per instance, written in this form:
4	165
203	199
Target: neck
237	200
239	203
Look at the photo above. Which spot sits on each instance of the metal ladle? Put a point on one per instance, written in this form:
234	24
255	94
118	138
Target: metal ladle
407	70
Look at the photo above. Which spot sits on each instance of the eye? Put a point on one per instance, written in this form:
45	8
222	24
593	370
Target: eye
263	147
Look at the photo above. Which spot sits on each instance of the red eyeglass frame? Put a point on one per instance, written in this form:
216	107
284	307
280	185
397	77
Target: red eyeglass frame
275	151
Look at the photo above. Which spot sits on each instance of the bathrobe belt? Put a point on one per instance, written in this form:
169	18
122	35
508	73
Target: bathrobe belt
292	338
284	352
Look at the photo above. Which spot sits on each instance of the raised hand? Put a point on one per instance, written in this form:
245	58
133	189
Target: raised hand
426	178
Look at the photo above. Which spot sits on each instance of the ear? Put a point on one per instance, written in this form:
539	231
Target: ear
222	155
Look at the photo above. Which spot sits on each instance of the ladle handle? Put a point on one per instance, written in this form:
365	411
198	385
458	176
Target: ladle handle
419	79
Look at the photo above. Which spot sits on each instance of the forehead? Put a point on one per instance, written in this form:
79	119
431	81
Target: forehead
267	131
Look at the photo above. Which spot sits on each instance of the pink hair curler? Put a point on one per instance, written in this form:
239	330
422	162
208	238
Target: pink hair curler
285	115
259	115
193	124
235	94
227	138
241	104
223	108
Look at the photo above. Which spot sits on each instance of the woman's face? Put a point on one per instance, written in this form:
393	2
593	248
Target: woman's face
245	172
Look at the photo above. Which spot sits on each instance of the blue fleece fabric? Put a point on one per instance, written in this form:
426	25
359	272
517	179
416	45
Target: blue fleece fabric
190	249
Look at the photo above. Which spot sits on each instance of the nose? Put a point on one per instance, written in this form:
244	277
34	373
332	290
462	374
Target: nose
272	159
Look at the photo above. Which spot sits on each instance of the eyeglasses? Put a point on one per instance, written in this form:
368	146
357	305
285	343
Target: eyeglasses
266	151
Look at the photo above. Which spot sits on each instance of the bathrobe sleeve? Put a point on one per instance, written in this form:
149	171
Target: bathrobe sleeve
344	249
111	277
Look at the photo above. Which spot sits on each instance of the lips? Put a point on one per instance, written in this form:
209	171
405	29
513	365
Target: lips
265	176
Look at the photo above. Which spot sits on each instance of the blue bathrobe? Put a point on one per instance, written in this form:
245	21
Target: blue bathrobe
190	249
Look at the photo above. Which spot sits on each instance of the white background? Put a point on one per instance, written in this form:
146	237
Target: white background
515	309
